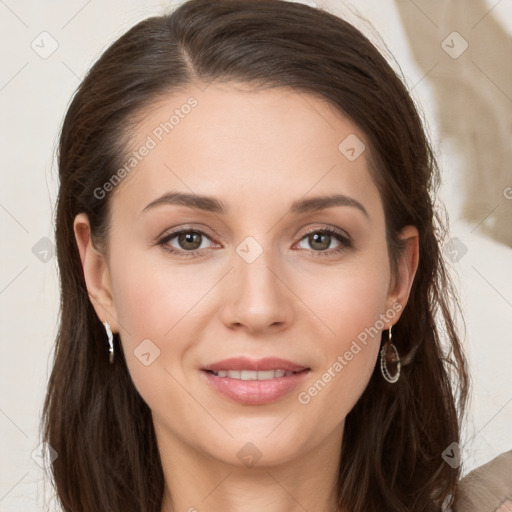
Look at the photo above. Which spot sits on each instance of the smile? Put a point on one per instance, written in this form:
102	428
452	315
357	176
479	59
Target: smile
253	375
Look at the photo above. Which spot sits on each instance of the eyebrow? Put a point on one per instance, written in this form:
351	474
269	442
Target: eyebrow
213	205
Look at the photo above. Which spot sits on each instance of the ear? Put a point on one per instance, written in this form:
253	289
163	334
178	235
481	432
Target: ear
407	264
96	273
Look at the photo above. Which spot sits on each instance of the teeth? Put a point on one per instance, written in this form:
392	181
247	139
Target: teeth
253	375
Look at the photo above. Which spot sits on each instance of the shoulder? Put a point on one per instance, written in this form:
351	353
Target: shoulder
487	488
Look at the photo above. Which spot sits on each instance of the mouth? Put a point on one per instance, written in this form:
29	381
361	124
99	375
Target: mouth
254	382
254	375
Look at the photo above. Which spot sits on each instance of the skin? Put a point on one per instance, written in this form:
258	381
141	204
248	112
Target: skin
254	151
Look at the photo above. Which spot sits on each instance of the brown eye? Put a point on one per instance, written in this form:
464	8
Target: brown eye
187	241
319	242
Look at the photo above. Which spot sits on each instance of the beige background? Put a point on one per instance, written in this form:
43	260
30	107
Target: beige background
466	98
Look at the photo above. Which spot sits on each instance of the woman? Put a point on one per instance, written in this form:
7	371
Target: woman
245	220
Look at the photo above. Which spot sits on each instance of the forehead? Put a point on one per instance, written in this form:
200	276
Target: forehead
244	145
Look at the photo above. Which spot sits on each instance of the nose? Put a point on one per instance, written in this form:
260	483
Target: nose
257	297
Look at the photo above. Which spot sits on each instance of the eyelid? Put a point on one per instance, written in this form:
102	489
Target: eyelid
330	229
199	228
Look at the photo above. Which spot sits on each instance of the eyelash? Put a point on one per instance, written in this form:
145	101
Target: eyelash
346	243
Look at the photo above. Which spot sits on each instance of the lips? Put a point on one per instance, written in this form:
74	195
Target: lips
254	382
258	365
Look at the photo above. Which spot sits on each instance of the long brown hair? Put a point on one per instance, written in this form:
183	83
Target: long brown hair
93	416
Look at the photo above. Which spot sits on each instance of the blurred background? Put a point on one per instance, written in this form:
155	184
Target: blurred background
456	59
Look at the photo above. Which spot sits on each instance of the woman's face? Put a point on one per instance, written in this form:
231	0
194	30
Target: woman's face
253	275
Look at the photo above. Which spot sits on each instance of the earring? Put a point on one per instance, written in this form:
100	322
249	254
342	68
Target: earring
389	354
110	342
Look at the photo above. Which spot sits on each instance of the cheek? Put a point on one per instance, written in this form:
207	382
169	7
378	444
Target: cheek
153	296
351	298
352	309
150	306
349	358
156	304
